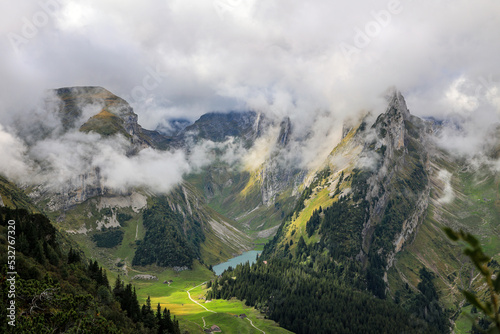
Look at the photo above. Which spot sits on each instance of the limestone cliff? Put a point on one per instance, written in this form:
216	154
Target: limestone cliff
399	156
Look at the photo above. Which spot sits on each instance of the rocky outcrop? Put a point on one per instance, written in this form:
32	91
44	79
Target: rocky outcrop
74	100
410	226
218	127
396	155
285	132
277	177
74	192
113	116
281	171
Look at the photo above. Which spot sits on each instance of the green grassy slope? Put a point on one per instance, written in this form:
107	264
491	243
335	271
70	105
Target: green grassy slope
236	193
221	242
472	205
15	198
75	97
194	317
105	124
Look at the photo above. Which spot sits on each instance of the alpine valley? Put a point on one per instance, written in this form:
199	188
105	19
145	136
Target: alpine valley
352	241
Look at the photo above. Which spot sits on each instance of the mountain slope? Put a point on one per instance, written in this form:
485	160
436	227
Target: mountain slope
258	191
380	169
373	212
128	226
110	115
202	233
13	197
367	220
55	289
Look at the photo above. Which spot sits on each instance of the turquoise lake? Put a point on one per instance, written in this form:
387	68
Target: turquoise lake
249	256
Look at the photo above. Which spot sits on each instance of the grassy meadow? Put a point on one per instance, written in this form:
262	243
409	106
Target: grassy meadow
196	317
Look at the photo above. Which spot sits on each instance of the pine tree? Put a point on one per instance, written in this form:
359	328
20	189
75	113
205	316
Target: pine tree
148	316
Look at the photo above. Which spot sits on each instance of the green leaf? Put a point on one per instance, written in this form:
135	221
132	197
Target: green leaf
451	234
493	330
478	258
489	308
496	283
471	298
471	240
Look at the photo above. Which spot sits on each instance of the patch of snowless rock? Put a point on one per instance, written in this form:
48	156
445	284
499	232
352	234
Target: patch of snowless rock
108	222
269	232
81	230
145	277
226	232
135	201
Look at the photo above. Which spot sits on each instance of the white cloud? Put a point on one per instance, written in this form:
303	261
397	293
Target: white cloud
460	100
155	170
448	194
219	53
13	164
63	160
282	57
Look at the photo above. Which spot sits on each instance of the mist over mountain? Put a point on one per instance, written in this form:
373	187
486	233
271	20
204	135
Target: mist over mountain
361	191
162	138
279	59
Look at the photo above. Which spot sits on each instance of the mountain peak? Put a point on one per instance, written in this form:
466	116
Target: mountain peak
218	126
396	104
85	91
74	99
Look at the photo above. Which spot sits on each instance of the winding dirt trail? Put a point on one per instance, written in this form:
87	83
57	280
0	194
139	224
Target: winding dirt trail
194	301
251	323
203	318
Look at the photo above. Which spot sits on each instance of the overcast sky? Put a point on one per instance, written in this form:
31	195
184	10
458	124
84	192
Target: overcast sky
183	58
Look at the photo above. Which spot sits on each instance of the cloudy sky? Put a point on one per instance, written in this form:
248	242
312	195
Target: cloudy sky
182	58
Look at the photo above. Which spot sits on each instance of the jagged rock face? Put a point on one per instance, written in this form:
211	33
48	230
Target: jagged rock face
399	179
76	191
116	115
113	116
88	186
218	127
276	177
75	99
285	132
375	187
279	174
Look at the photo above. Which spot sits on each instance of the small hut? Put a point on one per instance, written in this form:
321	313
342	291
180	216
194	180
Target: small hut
215	329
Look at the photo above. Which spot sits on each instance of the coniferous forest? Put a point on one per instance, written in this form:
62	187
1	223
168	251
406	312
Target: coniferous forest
305	299
59	291
165	243
319	288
